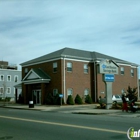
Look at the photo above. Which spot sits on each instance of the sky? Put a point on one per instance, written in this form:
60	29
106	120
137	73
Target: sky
32	28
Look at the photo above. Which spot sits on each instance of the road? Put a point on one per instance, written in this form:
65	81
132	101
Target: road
41	125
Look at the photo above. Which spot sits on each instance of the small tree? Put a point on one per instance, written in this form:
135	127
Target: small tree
132	93
70	100
78	99
88	99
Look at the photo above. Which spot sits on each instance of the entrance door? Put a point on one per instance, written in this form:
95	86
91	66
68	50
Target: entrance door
37	96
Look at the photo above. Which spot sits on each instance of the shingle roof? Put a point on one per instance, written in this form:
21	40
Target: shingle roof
41	73
75	54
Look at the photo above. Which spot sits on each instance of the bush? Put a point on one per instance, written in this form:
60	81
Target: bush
49	99
88	99
7	99
70	100
53	100
57	100
78	99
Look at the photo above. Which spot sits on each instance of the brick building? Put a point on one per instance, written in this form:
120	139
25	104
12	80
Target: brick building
71	71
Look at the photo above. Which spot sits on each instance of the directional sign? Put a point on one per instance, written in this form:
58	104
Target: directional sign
61	95
109	77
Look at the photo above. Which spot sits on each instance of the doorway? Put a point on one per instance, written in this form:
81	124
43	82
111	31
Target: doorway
37	96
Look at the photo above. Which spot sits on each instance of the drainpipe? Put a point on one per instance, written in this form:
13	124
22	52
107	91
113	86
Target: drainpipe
138	83
64	82
95	79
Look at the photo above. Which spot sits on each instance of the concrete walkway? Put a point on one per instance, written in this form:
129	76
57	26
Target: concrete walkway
75	109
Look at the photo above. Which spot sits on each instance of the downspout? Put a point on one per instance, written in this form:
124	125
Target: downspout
138	82
95	80
64	82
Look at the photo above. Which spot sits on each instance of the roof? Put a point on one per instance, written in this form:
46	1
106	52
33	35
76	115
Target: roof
75	54
36	75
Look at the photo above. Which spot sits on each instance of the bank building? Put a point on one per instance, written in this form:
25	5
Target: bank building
71	71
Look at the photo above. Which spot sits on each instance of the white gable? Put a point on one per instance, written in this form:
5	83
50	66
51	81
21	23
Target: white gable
32	75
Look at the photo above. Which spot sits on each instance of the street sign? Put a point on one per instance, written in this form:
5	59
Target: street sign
109	77
61	95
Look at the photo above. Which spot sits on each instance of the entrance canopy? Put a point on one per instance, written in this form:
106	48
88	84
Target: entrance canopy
36	75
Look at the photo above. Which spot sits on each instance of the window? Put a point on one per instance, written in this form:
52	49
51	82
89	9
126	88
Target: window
132	72
15	78
26	70
1	90
69	66
1	77
85	68
8	90
55	91
86	92
8	77
122	70
55	67
69	91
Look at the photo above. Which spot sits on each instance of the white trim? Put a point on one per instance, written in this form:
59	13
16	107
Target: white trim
127	65
9	90
37	81
9	70
1	93
55	60
17	78
72	59
30	73
3	77
64	81
41	62
7	78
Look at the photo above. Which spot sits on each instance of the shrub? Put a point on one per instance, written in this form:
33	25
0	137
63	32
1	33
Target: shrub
70	100
57	100
78	99
88	99
132	93
49	99
7	99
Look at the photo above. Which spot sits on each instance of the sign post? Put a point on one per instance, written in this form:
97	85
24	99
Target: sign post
61	96
108	68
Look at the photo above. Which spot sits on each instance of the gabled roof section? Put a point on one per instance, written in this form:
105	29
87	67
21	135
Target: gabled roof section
36	76
75	54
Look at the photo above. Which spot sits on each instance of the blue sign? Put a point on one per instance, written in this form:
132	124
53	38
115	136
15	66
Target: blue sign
61	95
109	77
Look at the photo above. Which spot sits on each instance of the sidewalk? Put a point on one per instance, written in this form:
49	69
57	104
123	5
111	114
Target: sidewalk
75	109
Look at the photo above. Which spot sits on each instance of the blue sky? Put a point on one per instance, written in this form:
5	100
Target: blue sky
32	28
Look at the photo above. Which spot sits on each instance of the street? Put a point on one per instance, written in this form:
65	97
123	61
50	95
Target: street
18	124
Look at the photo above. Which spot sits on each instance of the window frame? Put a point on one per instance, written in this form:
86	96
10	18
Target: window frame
122	70
85	66
132	72
55	92
85	94
15	78
9	90
71	90
8	79
1	77
69	68
2	88
55	66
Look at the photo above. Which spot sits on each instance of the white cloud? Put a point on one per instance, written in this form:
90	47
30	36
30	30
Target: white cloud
29	29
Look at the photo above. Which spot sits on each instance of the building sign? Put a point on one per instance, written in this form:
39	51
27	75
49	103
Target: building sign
109	77
108	67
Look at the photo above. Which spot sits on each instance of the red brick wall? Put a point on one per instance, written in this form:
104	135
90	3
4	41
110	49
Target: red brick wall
121	81
55	82
77	79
